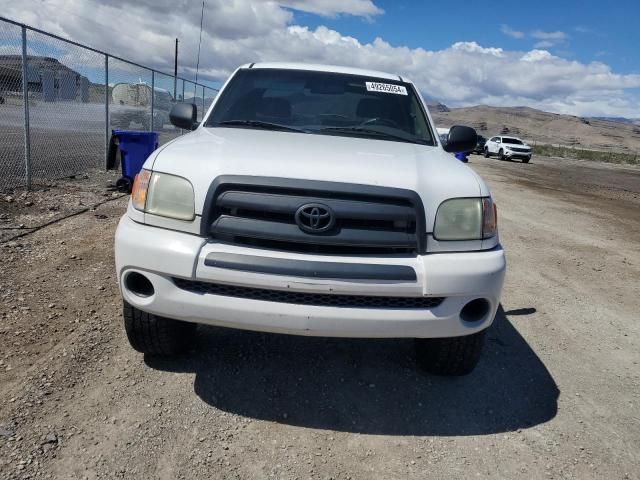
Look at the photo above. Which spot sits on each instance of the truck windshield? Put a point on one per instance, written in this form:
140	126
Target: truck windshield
322	103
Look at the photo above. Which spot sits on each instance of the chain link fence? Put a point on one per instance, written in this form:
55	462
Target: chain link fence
60	100
12	107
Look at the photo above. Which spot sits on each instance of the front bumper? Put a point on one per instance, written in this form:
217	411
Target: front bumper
520	155
162	255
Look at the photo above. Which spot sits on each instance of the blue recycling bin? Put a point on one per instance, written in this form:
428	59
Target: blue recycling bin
135	147
462	156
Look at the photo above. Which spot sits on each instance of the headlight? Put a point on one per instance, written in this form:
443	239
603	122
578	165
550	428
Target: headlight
466	219
163	194
139	190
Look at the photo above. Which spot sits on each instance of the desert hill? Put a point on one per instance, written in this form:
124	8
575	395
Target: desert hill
540	127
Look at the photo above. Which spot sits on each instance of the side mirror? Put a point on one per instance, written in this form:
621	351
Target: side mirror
184	115
461	139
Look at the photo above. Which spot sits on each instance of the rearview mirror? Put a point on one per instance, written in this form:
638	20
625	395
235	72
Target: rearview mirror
461	139
184	115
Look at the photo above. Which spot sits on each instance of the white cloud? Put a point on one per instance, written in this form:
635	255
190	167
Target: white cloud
543	44
507	30
545	39
473	47
536	56
555	37
238	32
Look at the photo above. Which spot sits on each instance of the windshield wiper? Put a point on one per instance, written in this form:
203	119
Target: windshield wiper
371	131
259	124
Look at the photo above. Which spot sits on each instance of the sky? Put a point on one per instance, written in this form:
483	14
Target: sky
564	56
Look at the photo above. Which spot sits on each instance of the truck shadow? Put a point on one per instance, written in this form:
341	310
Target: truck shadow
368	386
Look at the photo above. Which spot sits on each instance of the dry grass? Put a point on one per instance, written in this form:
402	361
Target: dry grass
583	154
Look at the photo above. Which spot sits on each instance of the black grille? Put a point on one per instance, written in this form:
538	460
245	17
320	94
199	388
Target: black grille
316	299
260	212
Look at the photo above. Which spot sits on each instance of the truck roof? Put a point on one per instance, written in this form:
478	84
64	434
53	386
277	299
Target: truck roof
326	68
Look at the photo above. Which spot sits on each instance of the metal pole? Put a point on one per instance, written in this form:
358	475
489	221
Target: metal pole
153	95
175	71
25	97
182	100
202	116
107	132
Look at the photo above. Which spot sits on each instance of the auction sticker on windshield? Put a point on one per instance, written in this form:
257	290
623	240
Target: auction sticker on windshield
386	88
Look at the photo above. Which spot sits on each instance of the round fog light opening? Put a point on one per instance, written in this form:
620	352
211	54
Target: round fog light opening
475	310
138	284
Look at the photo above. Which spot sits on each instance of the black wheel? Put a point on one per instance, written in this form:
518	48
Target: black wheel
453	356
123	184
525	160
486	152
155	335
501	153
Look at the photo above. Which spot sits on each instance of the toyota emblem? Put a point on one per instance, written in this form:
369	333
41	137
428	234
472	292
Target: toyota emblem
315	218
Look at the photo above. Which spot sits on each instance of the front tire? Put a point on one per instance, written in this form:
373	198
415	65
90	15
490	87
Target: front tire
486	152
453	356
155	335
525	160
501	153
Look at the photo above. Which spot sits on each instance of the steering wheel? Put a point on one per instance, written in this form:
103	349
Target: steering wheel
380	121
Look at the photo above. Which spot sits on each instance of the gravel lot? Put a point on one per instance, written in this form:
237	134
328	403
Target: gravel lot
557	394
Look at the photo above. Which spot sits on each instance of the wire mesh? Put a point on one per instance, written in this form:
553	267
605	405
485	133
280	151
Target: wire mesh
193	94
164	99
180	93
67	123
202	107
129	96
12	160
66	107
209	96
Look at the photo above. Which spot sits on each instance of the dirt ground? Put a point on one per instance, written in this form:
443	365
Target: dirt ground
556	395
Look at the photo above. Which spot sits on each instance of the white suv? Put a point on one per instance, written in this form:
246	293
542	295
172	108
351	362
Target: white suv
312	200
508	148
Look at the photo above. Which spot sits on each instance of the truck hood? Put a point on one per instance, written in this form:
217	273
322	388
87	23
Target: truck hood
206	153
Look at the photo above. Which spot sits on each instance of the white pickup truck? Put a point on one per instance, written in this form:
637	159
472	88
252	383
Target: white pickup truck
312	200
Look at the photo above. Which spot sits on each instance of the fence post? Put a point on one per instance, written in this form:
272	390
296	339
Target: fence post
25	96
153	96
107	132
